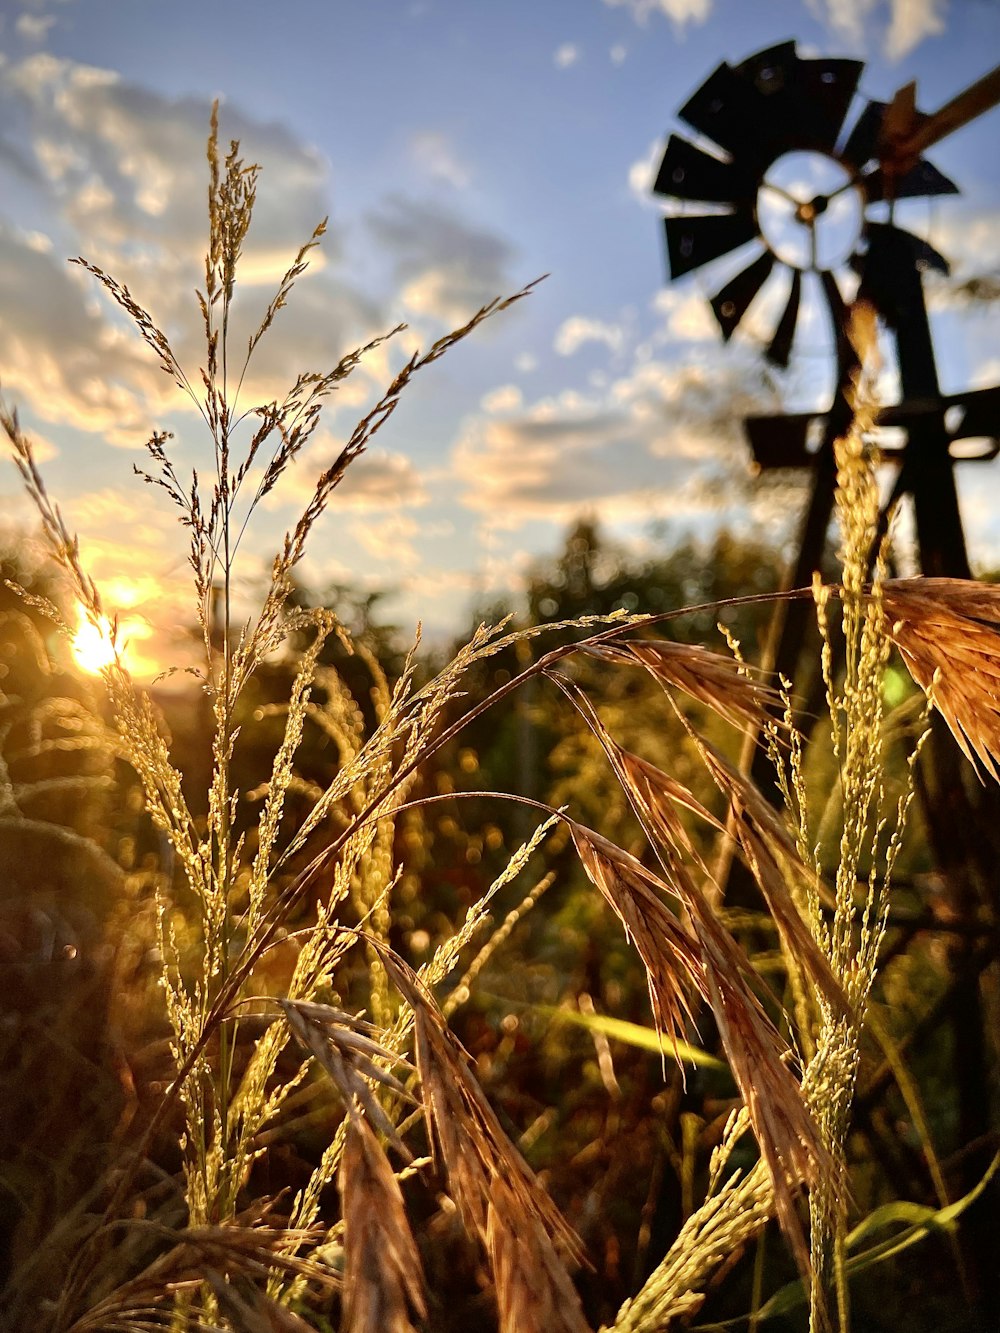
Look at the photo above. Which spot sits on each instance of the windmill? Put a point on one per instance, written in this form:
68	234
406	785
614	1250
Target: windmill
792	181
799	189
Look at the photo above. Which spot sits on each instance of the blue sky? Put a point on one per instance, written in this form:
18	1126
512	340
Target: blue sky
460	149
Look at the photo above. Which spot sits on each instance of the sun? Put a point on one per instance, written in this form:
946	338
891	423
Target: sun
97	646
93	645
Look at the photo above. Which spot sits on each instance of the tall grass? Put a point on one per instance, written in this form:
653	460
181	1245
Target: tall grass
214	1249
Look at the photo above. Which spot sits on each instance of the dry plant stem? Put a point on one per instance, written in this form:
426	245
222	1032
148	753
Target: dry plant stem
723	1223
218	1145
293	895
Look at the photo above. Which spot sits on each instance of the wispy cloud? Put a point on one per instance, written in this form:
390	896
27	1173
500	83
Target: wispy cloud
645	445
434	153
56	353
505	398
379	480
566	55
34	27
680	12
578	330
446	266
642	173
904	24
387	539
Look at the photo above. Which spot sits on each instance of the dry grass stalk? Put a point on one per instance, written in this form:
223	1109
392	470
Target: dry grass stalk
790	1140
534	1291
948	634
498	1196
346	1048
772	854
668	950
789	1137
719	682
730	1217
252	1251
383	1278
249	1310
709	961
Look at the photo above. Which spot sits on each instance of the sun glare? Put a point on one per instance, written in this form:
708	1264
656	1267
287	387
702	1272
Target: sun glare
93	648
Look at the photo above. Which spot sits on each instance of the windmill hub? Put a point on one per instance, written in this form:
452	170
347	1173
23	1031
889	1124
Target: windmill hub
810	210
808	213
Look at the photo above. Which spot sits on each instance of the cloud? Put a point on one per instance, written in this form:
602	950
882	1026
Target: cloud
34	27
913	21
679	12
124	172
642	174
382	480
968	238
445	266
578	330
566	55
62	357
909	21
505	398
645	445
123	169
687	316
378	480
388	538
618	53
434	154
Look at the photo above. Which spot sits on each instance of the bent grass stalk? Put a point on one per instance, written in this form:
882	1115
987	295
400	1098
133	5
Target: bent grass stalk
245	895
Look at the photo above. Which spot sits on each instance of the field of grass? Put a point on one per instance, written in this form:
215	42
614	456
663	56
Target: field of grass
349	988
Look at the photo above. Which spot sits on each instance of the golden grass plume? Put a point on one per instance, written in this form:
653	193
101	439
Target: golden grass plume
948	635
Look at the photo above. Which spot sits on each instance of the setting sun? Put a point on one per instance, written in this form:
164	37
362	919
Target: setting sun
93	645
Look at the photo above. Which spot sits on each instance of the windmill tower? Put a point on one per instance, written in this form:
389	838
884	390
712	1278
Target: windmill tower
803	190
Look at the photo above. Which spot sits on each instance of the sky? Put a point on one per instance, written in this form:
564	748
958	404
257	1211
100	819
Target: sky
460	149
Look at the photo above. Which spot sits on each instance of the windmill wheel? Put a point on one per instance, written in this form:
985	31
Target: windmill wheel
791	181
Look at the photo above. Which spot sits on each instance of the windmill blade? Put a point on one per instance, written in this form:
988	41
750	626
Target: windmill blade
781	344
732	302
829	87
687	172
925	256
884	238
693	241
923	181
728	109
862	143
806	100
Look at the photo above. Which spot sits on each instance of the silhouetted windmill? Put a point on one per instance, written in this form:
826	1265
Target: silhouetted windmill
796	182
795	177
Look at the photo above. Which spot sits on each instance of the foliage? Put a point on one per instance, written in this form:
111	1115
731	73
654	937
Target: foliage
295	1019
